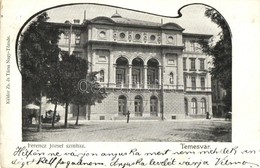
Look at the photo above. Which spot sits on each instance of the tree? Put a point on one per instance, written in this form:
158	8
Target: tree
38	49
222	55
71	69
88	93
43	71
54	89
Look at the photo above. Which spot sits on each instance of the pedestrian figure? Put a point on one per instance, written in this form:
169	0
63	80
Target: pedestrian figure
208	116
128	116
228	116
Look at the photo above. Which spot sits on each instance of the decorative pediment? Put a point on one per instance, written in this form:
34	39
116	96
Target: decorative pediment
172	26
103	19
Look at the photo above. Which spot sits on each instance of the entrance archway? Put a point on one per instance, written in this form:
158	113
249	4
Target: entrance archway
153	106
122	102
138	106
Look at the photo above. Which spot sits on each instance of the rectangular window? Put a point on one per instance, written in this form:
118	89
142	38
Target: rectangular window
184	63
192	64
202	64
202	83
66	38
77	39
192	46
193	83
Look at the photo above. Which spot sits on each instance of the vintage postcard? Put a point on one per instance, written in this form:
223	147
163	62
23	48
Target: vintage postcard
130	84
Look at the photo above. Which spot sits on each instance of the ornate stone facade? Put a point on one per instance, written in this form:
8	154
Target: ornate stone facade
150	69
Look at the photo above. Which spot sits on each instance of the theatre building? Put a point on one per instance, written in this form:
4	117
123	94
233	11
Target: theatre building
152	70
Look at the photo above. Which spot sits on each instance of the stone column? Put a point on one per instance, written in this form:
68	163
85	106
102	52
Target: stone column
93	57
110	69
145	76
114	76
130	76
160	75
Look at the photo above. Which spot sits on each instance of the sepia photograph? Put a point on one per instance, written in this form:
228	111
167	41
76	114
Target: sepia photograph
129	84
95	73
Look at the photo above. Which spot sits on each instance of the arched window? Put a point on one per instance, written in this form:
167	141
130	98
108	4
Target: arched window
153	106
203	106
102	76
137	72
152	73
186	106
194	106
122	105
121	71
171	78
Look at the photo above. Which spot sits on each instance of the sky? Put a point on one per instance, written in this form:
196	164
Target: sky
192	20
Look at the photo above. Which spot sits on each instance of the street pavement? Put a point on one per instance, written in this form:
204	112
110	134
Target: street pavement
188	130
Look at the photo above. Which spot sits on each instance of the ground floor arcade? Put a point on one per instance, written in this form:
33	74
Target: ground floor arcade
146	104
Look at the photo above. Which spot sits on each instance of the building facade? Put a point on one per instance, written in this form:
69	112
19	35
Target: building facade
152	70
218	96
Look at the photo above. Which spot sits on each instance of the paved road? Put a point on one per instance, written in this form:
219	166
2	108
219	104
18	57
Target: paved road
198	130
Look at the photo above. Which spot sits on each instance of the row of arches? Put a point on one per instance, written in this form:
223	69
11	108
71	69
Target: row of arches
194	110
137	75
138	105
136	60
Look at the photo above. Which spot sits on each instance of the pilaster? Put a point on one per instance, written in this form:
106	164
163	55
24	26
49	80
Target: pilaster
179	72
130	76
145	76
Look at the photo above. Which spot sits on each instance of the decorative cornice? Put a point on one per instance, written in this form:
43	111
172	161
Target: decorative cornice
115	43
